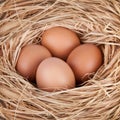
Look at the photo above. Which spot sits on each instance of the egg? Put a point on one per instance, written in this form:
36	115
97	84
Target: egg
60	41
85	60
29	59
53	74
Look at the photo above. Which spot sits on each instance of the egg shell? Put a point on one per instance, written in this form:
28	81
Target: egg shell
60	41
53	74
29	59
84	60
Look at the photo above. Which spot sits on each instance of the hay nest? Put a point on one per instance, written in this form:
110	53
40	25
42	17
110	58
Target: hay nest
96	21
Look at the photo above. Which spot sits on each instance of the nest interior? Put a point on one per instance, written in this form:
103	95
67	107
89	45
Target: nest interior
96	21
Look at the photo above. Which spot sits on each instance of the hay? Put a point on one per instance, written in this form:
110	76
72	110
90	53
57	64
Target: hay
96	21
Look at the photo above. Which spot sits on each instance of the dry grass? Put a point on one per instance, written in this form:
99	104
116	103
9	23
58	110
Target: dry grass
96	21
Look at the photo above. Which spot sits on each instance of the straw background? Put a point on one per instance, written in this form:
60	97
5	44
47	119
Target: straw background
96	21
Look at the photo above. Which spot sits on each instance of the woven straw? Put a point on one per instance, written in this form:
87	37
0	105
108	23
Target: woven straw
96	21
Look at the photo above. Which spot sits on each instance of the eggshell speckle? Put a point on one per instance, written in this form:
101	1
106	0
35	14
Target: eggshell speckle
60	41
53	74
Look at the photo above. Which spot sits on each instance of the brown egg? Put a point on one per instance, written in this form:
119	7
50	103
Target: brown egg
84	60
60	41
29	59
53	74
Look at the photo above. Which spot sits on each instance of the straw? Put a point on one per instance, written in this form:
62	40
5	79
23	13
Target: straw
95	21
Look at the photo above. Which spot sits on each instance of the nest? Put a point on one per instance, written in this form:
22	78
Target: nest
96	21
